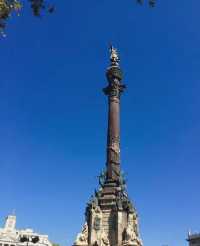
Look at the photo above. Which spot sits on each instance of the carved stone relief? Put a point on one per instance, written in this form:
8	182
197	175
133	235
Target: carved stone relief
130	234
104	239
82	238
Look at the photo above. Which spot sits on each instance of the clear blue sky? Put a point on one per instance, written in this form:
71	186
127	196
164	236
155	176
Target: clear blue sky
53	115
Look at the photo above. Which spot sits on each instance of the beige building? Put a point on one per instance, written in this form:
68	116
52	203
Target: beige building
10	236
193	239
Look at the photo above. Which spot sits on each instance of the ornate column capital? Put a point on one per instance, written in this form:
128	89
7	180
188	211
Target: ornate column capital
114	90
114	76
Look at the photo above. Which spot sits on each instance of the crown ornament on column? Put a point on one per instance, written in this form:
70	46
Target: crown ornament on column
114	75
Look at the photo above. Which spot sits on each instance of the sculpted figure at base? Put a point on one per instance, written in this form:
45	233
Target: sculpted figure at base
96	225
82	238
130	235
104	239
97	218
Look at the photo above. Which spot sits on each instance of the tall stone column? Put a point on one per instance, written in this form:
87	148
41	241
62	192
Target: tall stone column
110	217
113	91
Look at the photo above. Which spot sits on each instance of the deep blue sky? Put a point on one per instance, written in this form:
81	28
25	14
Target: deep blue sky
53	115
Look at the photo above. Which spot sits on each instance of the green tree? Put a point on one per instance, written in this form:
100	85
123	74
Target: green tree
7	7
150	2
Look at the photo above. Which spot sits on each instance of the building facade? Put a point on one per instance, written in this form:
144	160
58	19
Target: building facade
193	239
111	218
10	236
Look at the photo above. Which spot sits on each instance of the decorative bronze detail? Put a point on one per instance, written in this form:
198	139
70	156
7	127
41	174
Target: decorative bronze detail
102	178
114	89
97	223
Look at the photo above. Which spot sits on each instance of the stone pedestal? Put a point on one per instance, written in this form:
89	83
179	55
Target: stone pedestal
111	220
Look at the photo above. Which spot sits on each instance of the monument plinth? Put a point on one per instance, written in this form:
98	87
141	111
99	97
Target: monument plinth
110	217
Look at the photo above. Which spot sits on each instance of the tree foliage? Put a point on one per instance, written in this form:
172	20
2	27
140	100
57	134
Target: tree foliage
150	2
7	7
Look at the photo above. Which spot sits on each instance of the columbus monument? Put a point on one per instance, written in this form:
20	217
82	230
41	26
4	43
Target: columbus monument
110	217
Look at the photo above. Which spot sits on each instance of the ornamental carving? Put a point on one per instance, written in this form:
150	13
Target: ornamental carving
115	147
113	155
104	239
130	234
82	238
114	89
97	215
102	178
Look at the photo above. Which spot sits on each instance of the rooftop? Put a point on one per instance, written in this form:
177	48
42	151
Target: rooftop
193	236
